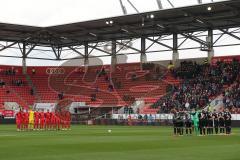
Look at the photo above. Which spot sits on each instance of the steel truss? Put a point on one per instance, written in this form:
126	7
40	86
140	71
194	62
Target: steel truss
86	50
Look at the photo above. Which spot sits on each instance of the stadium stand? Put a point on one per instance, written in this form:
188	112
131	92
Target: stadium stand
200	84
231	97
191	85
93	87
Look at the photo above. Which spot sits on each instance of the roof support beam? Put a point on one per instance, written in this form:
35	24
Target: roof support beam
122	46
218	38
114	56
57	52
194	39
175	55
162	44
133	6
159	2
127	46
75	50
123	7
194	34
143	56
230	34
210	44
20	48
169	1
182	42
31	49
24	56
153	43
86	43
101	50
86	54
150	39
222	34
8	46
175	42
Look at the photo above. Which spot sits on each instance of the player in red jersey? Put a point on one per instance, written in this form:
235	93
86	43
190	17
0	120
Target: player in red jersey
42	120
26	120
53	121
19	120
62	120
22	124
58	121
36	120
23	121
64	117
68	120
47	120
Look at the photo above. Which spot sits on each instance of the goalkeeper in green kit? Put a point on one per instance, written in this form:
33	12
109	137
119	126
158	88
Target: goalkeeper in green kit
195	120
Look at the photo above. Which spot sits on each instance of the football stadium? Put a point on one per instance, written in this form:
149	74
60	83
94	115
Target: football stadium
120	79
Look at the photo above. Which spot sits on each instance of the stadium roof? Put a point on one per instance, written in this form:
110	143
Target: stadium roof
220	15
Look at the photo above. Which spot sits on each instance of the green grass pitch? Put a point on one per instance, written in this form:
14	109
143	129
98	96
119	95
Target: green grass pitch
123	143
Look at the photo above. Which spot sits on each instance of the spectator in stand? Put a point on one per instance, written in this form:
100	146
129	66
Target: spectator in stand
6	72
13	71
134	77
117	83
33	71
60	95
138	110
170	66
2	83
110	87
231	96
187	105
10	71
103	72
148	66
32	91
200	82
128	110
93	97
206	62
106	78
145	119
18	82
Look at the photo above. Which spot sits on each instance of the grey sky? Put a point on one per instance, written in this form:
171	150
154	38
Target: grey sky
53	12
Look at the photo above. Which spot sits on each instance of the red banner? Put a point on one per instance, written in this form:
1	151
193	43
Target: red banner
8	113
226	59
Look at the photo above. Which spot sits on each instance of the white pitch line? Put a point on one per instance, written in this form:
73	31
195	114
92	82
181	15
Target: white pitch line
8	135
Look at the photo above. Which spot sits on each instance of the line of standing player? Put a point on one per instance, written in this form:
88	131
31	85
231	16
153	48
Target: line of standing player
35	120
202	123
219	122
